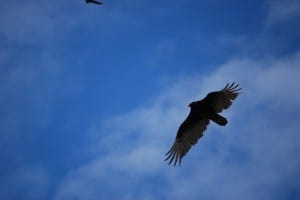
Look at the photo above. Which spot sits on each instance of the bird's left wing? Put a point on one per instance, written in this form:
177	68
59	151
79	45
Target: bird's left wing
188	138
222	99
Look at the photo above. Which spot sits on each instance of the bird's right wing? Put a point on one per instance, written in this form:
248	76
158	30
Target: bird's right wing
188	138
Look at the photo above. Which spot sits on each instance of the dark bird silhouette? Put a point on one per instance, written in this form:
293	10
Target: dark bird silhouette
93	1
196	122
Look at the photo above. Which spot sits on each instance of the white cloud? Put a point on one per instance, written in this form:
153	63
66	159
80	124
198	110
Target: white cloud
250	158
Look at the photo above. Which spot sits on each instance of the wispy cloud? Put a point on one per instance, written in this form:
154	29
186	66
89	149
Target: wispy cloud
36	23
250	158
282	11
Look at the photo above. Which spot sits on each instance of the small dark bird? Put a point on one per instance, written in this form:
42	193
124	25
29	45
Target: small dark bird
196	122
93	1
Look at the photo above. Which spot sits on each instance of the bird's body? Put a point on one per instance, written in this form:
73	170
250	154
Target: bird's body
93	1
201	113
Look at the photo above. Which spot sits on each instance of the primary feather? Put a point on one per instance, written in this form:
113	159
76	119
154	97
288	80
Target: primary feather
192	128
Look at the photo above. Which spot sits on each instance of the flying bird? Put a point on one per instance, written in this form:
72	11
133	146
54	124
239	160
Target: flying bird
201	112
93	1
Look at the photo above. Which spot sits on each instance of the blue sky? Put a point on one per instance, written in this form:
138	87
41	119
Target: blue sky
91	98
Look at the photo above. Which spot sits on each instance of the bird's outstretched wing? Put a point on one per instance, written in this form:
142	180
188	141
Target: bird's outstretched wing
189	136
222	99
93	1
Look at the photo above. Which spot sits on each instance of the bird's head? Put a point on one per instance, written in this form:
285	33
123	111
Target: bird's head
191	104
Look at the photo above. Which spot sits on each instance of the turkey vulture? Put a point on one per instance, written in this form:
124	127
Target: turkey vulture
196	122
93	1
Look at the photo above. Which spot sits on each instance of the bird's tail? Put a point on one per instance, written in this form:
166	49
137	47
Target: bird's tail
222	121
